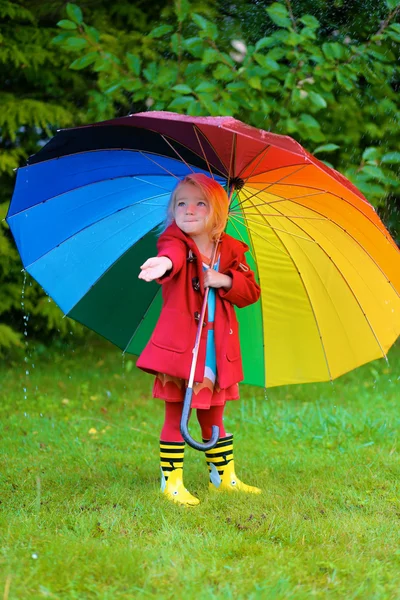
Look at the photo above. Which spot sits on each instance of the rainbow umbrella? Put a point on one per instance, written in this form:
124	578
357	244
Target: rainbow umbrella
87	208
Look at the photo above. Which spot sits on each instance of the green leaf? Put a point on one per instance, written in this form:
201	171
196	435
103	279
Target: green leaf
370	153
206	86
195	46
160	31
210	29
134	63
309	121
326	148
265	42
271	85
180	102
194	70
151	72
333	50
391	157
267	63
223	72
75	43
272	64
310	21
211	56
374	172
60	39
392	4
343	81
176	43
167	75
307	34
92	34
279	15
66	24
194	108
74	13
182	88
255	83
293	39
84	61
182	9
133	86
317	99
113	88
208	101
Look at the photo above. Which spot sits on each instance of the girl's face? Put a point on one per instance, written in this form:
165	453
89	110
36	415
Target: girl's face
192	210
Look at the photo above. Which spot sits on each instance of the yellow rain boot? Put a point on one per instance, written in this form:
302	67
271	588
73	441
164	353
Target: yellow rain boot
222	469
171	461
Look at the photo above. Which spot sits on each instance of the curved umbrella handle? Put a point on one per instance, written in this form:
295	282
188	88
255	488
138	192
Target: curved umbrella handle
184	426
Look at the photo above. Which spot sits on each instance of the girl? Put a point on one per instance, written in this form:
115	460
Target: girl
196	218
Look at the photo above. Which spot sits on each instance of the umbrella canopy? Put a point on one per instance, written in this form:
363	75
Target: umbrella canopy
87	209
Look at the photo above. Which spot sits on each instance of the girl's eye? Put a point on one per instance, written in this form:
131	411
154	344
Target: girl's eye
181	203
201	203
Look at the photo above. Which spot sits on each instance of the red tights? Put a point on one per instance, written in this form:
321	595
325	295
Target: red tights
173	412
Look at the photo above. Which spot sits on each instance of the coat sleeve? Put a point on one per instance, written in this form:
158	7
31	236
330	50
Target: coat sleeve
245	290
173	249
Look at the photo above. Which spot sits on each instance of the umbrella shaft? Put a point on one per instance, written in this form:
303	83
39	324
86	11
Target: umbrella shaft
200	325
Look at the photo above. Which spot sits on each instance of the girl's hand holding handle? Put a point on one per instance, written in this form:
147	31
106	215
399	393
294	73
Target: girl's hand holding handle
155	267
217	280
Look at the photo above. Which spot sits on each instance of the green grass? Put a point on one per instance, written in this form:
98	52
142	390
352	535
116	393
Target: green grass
81	516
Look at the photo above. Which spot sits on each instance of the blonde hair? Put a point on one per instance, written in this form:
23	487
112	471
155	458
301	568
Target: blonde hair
217	199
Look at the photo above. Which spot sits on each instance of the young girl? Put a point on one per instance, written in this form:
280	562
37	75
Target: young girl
196	218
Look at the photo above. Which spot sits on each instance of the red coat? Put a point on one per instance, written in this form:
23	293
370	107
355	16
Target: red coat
169	349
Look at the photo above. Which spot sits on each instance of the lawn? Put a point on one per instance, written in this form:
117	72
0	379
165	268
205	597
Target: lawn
81	516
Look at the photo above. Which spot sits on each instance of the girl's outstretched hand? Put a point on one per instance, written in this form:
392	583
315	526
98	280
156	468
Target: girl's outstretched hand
217	280
155	267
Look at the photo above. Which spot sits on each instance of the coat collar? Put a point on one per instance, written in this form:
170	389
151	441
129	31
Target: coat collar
229	248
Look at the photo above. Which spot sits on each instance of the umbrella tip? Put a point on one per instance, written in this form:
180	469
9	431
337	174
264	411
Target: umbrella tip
237	183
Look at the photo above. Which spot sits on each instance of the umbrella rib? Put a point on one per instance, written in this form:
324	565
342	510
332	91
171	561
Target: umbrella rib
222	173
141	321
158	165
202	149
276	182
260	157
241	237
276	228
309	300
261	236
281	215
87	227
232	159
176	151
283	198
348	285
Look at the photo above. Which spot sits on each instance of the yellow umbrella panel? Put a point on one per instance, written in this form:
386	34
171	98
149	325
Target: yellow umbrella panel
329	273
